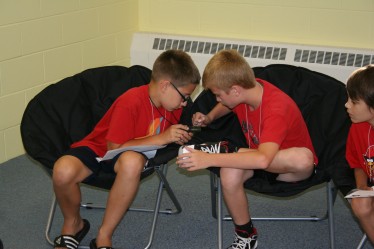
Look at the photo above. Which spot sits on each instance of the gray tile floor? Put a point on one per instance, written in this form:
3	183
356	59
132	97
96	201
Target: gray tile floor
25	195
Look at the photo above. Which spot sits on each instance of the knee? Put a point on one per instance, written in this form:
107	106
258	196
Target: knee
231	179
304	160
64	171
130	163
361	207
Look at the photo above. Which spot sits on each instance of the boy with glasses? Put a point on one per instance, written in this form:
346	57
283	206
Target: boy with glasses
145	115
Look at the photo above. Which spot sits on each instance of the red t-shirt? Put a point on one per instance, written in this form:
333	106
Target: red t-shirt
360	147
277	119
131	116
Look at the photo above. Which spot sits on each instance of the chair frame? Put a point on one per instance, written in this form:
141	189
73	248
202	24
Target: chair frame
362	241
100	87
163	185
217	210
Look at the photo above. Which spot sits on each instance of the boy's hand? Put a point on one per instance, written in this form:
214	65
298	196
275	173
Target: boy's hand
193	160
178	134
200	119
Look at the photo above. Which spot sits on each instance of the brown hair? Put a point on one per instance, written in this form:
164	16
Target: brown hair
360	85
176	66
227	68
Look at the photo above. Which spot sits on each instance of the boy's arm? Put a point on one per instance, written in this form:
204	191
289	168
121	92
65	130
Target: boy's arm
174	134
245	158
199	119
361	179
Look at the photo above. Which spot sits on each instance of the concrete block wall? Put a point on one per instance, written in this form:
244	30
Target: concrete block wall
43	41
337	23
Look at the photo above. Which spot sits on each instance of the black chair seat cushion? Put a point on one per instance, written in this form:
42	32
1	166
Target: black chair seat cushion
67	111
321	100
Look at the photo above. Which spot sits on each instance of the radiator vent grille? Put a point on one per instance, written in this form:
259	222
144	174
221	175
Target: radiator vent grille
333	58
277	53
204	47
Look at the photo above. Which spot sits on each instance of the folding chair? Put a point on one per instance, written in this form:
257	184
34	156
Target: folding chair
68	110
321	100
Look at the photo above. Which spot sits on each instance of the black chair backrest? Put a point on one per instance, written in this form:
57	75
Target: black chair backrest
67	111
321	100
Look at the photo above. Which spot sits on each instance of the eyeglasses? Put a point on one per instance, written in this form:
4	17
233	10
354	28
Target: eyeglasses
184	98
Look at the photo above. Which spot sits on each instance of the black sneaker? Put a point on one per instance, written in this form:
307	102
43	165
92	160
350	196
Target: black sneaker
244	243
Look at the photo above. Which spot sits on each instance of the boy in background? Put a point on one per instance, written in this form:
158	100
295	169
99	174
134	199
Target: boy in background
360	142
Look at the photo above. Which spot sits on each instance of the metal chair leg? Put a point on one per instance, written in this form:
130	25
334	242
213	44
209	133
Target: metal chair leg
163	184
331	195
162	175
362	242
50	220
213	193
220	214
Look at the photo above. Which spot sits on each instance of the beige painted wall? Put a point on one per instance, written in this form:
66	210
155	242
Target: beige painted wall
341	23
42	41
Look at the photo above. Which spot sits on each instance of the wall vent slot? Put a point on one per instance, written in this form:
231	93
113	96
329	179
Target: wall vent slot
333	58
202	47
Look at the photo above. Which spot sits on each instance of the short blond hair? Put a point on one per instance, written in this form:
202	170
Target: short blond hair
227	68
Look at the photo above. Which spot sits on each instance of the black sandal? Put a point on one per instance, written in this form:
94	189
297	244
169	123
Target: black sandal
94	246
72	241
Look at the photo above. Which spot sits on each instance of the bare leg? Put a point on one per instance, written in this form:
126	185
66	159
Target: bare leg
68	172
293	164
234	194
363	209
128	169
